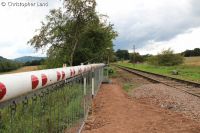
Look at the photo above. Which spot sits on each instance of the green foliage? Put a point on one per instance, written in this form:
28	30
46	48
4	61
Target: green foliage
34	62
166	58
8	65
127	87
153	60
122	54
190	53
75	36
136	57
146	57
95	38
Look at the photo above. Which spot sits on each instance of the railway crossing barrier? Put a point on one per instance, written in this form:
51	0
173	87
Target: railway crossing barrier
48	101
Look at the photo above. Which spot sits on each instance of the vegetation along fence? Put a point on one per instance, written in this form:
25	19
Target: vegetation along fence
48	101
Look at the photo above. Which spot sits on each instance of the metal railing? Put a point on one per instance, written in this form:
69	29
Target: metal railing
60	107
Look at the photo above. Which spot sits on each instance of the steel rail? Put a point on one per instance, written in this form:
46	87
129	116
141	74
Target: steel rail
190	87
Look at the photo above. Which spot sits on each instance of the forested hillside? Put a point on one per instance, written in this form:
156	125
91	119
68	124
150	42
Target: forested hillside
7	65
25	59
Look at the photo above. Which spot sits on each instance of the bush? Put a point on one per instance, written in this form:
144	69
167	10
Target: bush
166	58
35	62
153	60
136	57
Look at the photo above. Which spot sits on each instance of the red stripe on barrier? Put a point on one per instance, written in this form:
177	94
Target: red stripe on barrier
35	81
74	72
71	72
2	90
44	79
63	75
58	76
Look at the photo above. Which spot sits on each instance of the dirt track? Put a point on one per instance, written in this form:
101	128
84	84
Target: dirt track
116	112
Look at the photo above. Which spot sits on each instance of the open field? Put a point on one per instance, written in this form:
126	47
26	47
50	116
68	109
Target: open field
23	69
192	61
186	72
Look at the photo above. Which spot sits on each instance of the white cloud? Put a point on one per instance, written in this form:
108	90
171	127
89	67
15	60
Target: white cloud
141	21
150	24
180	43
18	25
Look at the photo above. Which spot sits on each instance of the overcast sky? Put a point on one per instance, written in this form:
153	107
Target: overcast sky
151	25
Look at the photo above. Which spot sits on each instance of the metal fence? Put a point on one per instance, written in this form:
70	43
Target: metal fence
61	107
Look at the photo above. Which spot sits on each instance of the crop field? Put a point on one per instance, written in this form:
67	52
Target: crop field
23	69
192	61
190	70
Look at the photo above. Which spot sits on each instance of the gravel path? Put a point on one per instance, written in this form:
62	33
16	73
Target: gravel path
115	112
161	95
169	98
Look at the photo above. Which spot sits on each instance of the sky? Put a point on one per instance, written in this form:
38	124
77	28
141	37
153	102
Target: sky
150	25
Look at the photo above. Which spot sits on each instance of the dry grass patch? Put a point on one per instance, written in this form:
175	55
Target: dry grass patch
192	61
23	69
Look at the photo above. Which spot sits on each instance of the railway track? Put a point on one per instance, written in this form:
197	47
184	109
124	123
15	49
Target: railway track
190	87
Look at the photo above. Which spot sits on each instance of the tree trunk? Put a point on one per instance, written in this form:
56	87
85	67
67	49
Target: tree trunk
75	45
73	51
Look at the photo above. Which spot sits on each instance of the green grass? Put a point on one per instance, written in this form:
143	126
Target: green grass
57	111
186	72
111	71
128	87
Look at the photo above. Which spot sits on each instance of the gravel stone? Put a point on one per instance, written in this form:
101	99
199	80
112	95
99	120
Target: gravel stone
169	98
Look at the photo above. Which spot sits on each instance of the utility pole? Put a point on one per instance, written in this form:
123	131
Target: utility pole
133	54
108	50
62	7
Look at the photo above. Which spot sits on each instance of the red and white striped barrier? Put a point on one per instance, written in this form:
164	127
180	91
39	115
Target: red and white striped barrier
14	85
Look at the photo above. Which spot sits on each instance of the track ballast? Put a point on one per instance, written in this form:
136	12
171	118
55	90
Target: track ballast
190	87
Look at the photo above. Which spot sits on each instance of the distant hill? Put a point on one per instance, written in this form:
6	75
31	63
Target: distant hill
1	58
25	59
8	65
4	59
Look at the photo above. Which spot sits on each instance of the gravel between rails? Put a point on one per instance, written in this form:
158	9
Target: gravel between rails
169	98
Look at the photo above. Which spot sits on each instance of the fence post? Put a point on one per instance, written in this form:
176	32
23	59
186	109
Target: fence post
85	81
84	93
92	83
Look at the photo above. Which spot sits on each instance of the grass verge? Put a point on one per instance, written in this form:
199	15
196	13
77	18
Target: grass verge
186	72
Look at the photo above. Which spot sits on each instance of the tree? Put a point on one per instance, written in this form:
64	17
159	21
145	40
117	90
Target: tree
34	62
197	52
8	65
146	57
136	57
189	53
166	58
122	54
74	34
81	12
